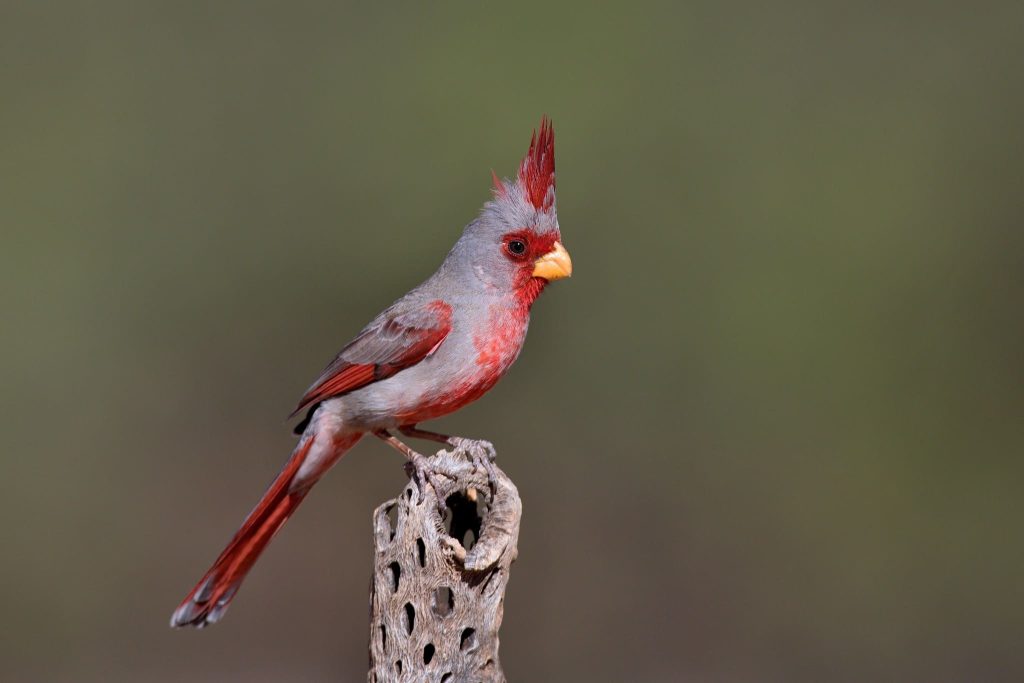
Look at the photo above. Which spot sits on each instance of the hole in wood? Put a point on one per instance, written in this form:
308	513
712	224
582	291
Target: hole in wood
447	677
398	666
396	575
443	601
392	513
410	617
468	640
421	552
383	637
464	515
428	653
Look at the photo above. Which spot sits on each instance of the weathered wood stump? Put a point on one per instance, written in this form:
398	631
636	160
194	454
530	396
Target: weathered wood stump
443	550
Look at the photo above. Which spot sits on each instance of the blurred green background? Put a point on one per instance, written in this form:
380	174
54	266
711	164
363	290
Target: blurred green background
770	431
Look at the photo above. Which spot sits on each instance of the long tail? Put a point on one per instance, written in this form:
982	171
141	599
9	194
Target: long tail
208	601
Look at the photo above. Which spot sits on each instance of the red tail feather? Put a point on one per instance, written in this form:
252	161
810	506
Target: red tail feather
208	601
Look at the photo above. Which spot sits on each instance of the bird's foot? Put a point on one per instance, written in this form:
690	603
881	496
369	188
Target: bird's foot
479	452
478	449
419	468
473	447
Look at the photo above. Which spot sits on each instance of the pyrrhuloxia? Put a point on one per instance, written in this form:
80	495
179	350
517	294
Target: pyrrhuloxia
436	349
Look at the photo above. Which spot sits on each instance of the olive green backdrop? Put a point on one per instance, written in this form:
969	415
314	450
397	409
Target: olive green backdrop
771	430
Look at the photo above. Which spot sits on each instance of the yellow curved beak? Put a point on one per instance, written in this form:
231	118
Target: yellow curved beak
553	265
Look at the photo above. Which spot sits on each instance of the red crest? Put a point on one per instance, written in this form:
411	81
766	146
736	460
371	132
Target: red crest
537	172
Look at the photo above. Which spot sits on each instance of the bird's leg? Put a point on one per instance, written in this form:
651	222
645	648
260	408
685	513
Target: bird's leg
386	436
415	432
417	462
481	452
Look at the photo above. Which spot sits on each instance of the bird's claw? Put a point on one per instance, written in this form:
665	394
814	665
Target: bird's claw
474	447
418	468
421	469
479	452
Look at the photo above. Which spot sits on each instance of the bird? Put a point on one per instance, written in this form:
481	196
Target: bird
436	349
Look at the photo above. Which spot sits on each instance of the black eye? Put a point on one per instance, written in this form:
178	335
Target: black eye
517	247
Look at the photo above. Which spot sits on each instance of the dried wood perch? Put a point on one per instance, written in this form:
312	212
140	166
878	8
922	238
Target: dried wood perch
437	598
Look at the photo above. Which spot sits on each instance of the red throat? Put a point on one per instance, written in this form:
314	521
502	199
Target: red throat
529	292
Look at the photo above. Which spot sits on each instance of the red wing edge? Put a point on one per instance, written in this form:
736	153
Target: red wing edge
385	356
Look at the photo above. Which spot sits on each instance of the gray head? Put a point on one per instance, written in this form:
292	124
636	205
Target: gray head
515	245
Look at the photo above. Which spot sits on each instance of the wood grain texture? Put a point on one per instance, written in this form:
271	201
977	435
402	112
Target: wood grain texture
437	596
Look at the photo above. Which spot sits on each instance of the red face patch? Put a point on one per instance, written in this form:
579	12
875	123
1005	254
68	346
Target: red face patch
523	247
526	246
